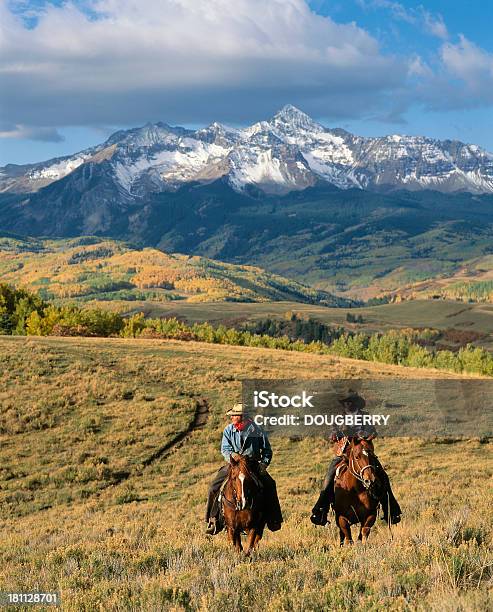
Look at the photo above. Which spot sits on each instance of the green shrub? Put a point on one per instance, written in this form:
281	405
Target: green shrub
16	306
24	313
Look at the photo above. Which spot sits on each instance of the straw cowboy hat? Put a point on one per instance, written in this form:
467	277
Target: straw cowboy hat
354	398
236	410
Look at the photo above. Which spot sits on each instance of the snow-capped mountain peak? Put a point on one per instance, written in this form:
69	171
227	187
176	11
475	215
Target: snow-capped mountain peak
289	151
291	120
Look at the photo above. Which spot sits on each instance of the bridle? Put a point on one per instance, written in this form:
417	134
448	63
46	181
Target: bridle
357	471
235	503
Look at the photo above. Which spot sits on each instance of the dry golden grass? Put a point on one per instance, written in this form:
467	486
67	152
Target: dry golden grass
139	544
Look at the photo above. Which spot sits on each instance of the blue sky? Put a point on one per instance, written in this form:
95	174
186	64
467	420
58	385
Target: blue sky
73	72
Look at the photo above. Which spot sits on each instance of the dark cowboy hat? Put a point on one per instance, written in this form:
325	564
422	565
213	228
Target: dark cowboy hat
354	398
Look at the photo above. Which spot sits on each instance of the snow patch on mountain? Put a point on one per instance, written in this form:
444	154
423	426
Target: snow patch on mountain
177	165
59	169
261	168
289	151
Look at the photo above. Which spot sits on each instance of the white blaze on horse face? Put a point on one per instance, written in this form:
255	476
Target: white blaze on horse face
243	501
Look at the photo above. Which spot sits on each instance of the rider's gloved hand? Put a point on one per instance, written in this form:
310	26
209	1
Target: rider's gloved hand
262	467
235	456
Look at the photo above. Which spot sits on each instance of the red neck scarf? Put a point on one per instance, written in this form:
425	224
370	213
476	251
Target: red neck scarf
242	424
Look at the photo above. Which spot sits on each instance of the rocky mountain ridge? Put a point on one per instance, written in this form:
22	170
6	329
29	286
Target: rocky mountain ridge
289	152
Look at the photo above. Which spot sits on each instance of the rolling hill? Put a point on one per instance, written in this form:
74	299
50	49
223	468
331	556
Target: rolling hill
107	448
472	282
92	269
351	242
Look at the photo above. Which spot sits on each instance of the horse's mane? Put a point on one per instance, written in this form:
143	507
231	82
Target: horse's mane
365	443
245	465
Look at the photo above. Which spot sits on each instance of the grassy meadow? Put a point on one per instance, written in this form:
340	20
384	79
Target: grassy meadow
459	323
104	469
415	313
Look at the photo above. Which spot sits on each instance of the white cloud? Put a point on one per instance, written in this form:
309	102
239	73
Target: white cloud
186	60
435	24
419	68
471	64
23	132
462	78
397	10
420	17
126	62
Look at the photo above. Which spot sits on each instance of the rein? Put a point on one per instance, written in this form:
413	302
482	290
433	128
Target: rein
233	504
358	473
236	503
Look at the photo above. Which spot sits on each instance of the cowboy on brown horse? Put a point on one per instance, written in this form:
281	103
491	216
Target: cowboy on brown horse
242	502
353	403
242	437
356	490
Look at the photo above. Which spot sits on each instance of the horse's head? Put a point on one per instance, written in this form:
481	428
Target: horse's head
362	461
242	481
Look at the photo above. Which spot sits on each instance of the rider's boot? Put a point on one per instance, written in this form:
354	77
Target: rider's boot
394	518
387	498
321	508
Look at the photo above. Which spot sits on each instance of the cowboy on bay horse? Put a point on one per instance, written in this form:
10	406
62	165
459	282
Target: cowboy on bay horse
353	403
243	437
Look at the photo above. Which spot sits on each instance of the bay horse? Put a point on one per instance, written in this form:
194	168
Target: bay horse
242	504
356	490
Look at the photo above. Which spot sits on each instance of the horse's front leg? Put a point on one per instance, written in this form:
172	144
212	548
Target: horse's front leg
259	532
237	540
366	527
251	541
363	534
231	535
341	537
344	530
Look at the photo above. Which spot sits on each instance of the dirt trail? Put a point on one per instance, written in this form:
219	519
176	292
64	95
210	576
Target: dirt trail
199	420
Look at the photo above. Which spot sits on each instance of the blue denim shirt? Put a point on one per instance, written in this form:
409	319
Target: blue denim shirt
252	441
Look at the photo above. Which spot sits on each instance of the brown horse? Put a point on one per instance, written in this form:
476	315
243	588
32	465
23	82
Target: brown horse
356	500
242	504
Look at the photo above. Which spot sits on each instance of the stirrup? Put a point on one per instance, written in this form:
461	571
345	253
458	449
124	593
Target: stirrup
394	519
212	527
